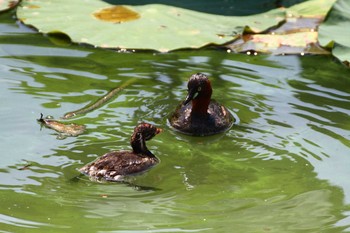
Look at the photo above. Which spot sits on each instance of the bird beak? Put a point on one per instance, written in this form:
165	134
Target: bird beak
159	130
190	96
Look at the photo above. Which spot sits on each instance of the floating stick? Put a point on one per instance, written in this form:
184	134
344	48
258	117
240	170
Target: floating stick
92	106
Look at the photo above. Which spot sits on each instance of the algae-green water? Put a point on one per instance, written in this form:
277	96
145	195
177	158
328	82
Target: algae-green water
284	167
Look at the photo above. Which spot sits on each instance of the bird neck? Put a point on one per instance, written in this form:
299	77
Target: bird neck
138	145
201	103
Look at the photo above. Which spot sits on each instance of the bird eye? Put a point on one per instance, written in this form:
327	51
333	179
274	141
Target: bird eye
199	89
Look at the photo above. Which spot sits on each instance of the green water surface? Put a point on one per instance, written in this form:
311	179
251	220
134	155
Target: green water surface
285	167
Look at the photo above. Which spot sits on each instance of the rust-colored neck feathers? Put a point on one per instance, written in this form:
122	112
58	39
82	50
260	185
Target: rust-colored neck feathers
201	102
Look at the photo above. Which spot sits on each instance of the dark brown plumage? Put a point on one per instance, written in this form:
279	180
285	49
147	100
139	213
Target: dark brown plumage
114	165
199	115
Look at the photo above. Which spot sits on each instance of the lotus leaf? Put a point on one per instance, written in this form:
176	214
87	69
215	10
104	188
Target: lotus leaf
295	43
8	4
297	35
311	9
334	32
153	26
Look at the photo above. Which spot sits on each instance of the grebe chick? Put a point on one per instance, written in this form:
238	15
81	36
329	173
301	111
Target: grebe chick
115	165
199	115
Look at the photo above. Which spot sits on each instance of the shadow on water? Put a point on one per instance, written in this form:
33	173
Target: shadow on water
81	177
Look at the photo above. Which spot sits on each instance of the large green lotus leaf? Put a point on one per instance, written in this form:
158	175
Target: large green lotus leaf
153	26
334	32
159	27
7	4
